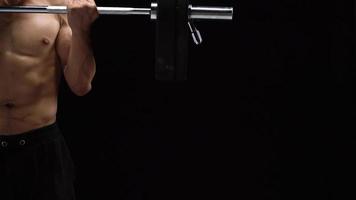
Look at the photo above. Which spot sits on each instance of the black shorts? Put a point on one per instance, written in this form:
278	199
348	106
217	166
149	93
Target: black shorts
36	165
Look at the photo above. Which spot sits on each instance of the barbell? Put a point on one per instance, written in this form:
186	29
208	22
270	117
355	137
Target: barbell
174	23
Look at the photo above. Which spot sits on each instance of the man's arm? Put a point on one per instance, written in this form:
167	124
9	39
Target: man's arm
73	46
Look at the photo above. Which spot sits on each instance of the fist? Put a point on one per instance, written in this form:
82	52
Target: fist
81	14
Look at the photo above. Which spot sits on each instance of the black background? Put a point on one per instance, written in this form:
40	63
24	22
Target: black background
267	113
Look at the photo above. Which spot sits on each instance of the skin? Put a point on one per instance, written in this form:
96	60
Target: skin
35	51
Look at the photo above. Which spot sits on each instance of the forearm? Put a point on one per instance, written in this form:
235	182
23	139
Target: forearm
80	68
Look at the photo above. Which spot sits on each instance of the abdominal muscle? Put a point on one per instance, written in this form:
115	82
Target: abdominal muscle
28	100
16	118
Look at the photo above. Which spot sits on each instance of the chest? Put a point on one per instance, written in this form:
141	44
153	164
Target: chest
28	34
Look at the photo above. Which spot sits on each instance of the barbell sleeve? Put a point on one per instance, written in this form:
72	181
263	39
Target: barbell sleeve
213	13
199	12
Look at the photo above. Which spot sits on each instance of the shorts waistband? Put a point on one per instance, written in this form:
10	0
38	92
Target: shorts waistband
30	137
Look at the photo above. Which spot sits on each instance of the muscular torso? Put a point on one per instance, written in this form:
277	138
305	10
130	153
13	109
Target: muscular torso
29	71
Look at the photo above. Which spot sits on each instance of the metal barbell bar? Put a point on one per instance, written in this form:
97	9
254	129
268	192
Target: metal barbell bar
198	12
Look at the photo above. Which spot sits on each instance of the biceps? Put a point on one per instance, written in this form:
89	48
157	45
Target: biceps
63	44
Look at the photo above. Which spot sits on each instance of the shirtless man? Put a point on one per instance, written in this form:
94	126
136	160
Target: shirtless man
35	50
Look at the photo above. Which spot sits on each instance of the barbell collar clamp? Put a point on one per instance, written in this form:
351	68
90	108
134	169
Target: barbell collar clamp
196	35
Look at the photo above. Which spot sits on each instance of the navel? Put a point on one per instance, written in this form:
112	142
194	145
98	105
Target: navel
9	105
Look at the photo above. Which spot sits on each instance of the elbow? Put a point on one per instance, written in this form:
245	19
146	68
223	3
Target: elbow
80	84
81	90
